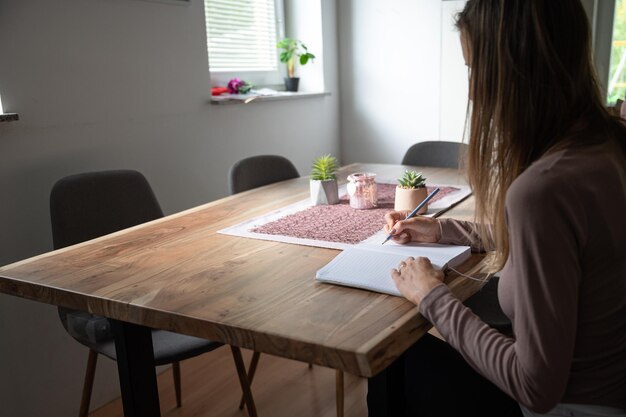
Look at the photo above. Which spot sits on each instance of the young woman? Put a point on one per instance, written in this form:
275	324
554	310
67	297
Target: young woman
547	165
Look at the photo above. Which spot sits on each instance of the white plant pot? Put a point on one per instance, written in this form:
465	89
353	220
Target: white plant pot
324	192
409	198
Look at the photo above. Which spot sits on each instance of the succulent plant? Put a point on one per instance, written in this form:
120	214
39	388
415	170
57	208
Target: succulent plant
324	168
412	179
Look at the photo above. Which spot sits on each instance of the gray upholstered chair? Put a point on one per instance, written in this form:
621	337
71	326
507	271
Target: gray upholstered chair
259	170
254	172
442	154
89	205
439	154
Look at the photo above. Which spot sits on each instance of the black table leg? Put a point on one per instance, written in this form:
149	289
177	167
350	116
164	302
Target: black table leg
385	392
135	364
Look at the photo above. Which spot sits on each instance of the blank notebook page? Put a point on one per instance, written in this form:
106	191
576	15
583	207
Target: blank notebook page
369	266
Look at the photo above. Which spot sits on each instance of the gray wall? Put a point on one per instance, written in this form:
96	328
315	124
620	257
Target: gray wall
104	84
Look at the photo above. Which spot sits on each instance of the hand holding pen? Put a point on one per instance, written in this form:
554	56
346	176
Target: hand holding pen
410	228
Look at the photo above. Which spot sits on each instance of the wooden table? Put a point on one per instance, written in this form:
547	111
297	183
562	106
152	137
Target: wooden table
178	274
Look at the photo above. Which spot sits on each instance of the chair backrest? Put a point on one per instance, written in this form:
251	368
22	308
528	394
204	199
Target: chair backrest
90	205
260	170
93	204
438	154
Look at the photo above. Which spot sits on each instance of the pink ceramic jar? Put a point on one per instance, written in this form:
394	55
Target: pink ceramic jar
362	190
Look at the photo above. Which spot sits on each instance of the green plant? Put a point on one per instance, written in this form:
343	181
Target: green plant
412	179
324	168
293	48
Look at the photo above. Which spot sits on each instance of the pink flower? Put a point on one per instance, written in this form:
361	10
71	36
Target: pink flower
238	86
234	84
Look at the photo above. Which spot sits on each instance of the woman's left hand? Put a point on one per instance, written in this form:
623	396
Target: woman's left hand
416	277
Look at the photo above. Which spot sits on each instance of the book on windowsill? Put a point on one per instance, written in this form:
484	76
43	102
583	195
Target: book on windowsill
368	265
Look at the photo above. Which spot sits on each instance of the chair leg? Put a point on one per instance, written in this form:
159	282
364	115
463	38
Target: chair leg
177	389
251	369
339	392
90	373
243	380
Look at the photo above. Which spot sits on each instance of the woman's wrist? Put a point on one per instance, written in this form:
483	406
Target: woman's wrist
435	232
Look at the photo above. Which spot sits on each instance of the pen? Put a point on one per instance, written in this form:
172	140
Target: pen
414	212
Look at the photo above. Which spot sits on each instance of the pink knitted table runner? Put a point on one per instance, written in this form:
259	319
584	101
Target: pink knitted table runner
340	222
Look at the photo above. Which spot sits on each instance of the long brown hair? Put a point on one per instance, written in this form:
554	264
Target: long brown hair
533	89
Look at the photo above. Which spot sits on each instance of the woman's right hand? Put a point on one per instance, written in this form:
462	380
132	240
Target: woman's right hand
416	229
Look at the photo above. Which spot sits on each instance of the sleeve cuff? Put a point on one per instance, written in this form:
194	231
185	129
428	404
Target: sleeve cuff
458	232
449	232
428	302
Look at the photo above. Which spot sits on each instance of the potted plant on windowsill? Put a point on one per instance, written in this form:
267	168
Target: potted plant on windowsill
410	192
292	49
323	182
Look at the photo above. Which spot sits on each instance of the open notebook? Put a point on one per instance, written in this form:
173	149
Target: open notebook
369	265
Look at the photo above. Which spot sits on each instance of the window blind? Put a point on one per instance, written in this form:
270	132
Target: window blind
241	35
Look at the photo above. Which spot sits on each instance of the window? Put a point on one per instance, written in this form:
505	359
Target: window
241	40
617	74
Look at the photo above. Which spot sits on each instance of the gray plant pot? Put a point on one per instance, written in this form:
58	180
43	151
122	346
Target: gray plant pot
324	192
291	84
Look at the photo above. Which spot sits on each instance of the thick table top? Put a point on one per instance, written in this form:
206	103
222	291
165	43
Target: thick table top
179	274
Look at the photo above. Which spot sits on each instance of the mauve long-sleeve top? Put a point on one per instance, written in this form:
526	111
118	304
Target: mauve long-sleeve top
563	287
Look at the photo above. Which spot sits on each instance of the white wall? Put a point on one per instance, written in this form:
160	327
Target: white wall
454	83
103	84
302	21
403	78
390	76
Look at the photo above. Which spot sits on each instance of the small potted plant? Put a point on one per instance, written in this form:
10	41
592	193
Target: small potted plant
323	182
411	191
292	49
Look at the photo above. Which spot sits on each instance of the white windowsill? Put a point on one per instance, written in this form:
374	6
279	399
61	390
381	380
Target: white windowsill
251	98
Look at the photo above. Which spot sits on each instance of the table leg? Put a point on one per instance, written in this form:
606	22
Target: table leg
244	381
385	391
339	395
135	364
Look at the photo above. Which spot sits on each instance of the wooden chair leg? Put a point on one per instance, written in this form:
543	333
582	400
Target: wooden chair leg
90	373
251	370
243	380
339	392
177	389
